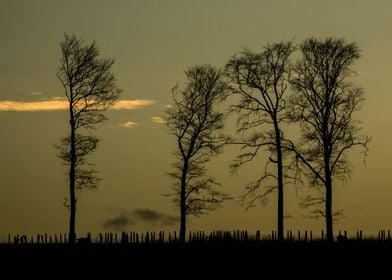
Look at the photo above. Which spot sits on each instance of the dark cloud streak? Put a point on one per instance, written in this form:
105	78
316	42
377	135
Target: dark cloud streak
118	223
152	216
128	218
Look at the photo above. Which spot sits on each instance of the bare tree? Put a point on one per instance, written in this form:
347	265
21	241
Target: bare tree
90	89
261	81
196	124
324	103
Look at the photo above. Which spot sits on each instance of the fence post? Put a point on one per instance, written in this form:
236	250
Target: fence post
258	235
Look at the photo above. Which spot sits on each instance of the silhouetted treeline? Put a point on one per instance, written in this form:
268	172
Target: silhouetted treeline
315	93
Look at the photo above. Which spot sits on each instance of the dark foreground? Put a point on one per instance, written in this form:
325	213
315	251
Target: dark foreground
224	258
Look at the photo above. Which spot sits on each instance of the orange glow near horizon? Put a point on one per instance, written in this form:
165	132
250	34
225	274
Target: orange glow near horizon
55	105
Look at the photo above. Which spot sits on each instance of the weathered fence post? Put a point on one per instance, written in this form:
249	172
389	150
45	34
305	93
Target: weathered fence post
258	235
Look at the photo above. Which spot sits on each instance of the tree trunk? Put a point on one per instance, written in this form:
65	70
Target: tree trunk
328	209
183	204
328	203
72	173
279	158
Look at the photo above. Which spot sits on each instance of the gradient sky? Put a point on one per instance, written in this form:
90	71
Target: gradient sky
153	42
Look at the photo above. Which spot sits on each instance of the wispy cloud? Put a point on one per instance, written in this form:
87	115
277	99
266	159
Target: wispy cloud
37	93
153	216
118	223
159	120
128	124
58	103
48	105
130	217
132	104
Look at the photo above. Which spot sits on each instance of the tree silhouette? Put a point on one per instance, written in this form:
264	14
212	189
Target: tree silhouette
324	103
196	124
261	81
90	89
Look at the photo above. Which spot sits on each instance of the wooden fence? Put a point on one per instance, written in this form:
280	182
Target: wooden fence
193	237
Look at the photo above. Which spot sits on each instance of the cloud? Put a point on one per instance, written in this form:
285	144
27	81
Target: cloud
48	105
154	217
132	104
130	217
58	103
37	93
118	223
129	124
159	120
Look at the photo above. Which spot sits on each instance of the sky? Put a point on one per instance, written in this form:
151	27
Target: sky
153	43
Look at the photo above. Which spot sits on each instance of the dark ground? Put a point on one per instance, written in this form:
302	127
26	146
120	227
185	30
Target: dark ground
222	260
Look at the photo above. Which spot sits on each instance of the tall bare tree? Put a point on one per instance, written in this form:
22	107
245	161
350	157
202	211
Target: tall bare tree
90	89
324	102
195	122
261	81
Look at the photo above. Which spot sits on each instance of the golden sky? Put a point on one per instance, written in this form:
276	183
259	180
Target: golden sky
153	42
